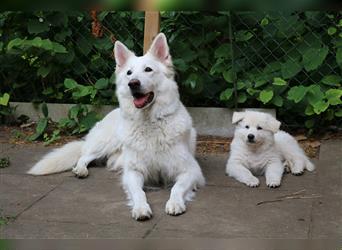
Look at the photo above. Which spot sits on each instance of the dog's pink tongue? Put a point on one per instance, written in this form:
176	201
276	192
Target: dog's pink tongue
140	102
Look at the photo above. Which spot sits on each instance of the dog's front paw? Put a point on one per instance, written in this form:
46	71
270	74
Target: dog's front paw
273	183
175	207
142	212
297	167
253	182
80	172
297	170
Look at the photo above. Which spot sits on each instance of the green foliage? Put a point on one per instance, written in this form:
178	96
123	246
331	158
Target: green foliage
41	125
289	61
5	110
79	120
4	162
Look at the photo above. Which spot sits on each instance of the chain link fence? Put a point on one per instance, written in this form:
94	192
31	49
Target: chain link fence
290	61
285	60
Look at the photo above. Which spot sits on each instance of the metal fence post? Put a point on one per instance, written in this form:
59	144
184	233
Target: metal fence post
231	39
152	28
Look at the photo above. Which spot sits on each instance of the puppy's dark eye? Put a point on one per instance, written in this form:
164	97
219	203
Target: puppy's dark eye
246	126
129	72
148	69
259	128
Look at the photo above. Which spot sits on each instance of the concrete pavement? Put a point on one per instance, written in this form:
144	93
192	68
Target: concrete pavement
61	206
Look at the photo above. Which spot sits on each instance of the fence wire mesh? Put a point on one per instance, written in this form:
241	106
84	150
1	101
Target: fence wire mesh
286	60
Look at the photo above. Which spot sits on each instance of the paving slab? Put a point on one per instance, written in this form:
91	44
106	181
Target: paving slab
327	210
233	213
19	192
61	206
22	157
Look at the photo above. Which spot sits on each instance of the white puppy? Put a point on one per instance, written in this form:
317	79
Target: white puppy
259	147
150	136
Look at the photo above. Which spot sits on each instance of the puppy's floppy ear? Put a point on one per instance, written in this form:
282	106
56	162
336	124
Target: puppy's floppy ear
273	124
121	53
238	116
160	49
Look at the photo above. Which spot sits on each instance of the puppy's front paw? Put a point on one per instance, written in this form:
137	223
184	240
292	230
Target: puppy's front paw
174	207
297	170
273	183
142	212
297	167
80	172
253	182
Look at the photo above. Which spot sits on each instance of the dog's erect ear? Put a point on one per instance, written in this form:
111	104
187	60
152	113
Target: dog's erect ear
238	116
159	48
273	124
121	53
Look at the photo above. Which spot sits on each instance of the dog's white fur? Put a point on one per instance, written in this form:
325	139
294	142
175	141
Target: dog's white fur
270	152
149	144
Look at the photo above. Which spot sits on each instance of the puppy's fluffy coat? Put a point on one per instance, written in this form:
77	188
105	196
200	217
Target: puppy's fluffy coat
150	136
259	147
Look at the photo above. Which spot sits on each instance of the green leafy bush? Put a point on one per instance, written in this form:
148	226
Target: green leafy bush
288	61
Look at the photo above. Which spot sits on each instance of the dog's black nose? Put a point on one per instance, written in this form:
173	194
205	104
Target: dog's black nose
134	84
250	137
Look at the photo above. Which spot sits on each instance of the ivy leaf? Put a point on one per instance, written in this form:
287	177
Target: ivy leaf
229	75
296	93
314	94
320	106
332	30
252	91
58	48
334	96
243	35
70	83
278	101
88	121
332	80
313	58
180	65
101	83
45	110
224	51
226	95
278	81
264	22
4	99
290	68
44	71
242	97
191	81
309	110
41	126
266	96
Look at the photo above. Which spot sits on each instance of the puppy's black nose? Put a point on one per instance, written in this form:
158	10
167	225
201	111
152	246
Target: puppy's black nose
134	84
250	137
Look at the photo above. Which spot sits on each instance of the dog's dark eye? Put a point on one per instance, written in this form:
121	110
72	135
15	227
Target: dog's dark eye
246	126
129	72
259	128
148	69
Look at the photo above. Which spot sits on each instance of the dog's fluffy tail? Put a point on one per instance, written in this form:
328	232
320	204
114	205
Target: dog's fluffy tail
59	160
292	152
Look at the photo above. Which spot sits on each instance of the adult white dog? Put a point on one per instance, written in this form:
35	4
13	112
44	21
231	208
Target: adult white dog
259	147
150	136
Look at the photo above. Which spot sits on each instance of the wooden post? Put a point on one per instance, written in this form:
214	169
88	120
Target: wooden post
152	28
